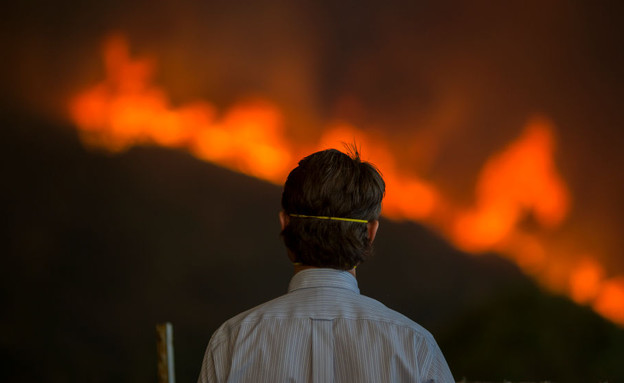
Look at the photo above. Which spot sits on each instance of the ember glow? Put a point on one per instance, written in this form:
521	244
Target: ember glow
519	183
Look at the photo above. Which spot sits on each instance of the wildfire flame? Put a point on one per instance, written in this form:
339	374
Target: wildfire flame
126	109
521	182
521	179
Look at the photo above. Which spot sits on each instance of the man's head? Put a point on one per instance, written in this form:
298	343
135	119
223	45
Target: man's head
331	184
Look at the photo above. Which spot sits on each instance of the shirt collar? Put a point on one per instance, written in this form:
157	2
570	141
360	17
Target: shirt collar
311	278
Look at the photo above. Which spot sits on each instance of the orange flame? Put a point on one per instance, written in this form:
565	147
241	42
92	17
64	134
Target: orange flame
519	183
586	280
126	110
519	180
611	299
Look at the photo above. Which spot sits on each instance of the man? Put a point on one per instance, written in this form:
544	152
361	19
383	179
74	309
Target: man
323	330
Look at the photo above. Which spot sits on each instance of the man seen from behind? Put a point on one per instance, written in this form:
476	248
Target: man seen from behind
323	330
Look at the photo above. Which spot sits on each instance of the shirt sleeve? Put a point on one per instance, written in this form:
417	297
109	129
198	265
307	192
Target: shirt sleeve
208	373
216	360
438	370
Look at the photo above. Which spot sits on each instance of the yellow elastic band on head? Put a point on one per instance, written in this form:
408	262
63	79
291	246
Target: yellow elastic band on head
329	218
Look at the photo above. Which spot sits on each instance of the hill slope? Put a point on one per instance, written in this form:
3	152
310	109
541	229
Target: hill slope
99	248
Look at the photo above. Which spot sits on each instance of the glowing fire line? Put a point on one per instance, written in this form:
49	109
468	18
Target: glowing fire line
126	109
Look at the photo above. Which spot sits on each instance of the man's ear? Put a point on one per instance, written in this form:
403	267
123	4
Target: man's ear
284	219
372	227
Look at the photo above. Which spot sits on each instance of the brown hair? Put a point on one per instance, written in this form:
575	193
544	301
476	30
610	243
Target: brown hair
331	183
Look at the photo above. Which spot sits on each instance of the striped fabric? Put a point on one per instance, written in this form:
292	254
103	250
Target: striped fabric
323	331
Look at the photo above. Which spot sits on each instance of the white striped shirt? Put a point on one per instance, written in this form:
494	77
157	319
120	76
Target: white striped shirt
323	331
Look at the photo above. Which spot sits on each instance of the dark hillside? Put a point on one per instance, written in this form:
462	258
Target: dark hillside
98	248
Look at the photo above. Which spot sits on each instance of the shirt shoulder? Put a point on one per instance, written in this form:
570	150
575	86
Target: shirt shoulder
321	304
230	326
360	326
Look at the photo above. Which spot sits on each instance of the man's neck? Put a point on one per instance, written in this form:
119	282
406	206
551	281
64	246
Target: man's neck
299	267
